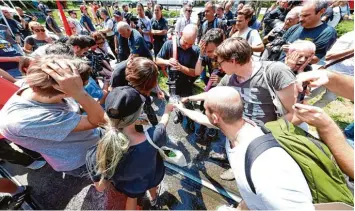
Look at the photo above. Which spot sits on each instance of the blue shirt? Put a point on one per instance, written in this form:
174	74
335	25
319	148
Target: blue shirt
229	15
323	36
7	50
85	19
138	45
187	58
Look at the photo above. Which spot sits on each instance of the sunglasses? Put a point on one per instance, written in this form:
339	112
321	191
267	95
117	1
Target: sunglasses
39	30
100	43
188	10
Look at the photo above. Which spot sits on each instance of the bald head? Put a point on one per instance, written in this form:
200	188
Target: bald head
189	35
225	102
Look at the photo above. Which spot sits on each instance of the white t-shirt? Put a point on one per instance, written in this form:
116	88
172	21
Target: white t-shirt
108	24
343	43
180	25
148	27
278	180
254	38
336	17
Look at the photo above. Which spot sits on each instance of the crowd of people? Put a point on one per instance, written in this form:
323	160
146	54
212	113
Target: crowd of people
83	103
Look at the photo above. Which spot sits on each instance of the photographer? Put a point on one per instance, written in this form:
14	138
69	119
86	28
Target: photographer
274	39
108	29
211	21
136	42
144	26
121	43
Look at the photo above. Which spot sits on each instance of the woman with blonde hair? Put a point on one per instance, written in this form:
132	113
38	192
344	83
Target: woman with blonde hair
124	159
39	37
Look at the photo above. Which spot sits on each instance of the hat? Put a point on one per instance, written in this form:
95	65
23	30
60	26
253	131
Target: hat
123	101
48	10
117	13
82	7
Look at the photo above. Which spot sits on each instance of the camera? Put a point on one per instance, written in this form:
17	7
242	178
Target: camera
130	17
173	76
230	22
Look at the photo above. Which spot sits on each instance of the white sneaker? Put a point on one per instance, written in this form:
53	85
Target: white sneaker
37	164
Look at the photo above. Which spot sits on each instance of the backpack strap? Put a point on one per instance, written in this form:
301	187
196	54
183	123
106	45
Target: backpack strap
254	150
149	139
248	35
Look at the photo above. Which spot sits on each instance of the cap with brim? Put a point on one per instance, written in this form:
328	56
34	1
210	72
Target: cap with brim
117	14
123	101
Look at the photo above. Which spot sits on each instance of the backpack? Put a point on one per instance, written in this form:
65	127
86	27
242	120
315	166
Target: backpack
324	177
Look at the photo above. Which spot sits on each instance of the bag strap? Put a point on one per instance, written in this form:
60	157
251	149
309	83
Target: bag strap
337	61
279	111
254	150
248	35
149	139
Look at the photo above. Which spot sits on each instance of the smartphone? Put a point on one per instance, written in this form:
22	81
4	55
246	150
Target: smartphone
301	95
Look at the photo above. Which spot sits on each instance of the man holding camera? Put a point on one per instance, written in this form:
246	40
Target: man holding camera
144	25
136	42
108	29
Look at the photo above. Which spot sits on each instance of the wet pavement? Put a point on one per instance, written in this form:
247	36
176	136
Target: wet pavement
183	188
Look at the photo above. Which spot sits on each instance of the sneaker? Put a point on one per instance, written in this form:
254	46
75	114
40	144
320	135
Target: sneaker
18	199
37	164
227	175
155	204
218	156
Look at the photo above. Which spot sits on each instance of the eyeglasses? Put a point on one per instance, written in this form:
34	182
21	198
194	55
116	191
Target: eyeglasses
219	64
100	43
39	30
188	10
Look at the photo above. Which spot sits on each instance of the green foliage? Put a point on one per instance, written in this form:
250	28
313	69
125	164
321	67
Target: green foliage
344	27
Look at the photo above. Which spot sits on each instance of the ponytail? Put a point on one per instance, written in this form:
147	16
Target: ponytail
110	150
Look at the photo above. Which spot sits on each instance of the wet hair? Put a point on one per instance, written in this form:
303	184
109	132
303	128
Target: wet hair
215	36
235	48
42	83
60	49
83	41
142	74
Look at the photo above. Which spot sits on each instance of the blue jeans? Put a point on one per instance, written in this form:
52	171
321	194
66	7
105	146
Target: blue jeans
349	133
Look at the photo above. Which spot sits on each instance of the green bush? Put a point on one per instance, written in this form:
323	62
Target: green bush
344	27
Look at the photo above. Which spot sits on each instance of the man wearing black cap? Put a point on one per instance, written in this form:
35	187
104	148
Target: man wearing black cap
73	19
51	24
121	43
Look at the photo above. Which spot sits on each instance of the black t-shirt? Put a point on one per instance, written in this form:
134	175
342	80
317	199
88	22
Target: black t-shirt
35	43
140	169
161	24
118	77
26	31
